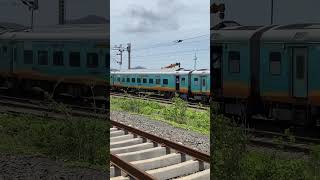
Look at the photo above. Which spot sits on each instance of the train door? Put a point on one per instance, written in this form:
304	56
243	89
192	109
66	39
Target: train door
216	67
177	83
13	59
299	79
6	53
203	84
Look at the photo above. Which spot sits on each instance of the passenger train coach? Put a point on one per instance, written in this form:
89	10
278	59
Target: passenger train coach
74	57
268	72
187	83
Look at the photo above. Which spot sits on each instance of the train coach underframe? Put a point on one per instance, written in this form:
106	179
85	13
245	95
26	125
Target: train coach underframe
300	114
15	85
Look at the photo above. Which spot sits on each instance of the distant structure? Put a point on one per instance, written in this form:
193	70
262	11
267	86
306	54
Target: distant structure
139	67
171	66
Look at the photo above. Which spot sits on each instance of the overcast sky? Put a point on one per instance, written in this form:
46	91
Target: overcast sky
15	11
156	24
257	12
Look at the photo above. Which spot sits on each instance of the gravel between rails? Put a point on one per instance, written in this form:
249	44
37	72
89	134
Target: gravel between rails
164	130
25	167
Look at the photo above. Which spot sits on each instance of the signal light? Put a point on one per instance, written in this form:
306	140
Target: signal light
221	15
217	8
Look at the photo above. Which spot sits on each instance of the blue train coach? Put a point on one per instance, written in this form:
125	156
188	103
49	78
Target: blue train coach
187	83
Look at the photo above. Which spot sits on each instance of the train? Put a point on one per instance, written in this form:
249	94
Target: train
69	60
188	84
267	72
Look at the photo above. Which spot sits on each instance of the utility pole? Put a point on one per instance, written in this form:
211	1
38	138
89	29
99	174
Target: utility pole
32	5
62	12
271	12
129	55
120	50
195	61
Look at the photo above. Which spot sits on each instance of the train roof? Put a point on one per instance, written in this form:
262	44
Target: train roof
234	33
304	32
161	71
293	33
58	32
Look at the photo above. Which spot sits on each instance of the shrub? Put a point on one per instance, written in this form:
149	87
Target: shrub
176	112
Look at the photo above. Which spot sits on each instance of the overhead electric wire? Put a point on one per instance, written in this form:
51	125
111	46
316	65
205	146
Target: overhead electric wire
168	44
174	52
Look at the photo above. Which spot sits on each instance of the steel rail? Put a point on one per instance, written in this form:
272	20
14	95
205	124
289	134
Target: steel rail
130	168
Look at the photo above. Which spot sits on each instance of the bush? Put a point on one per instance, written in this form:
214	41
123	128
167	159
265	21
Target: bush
315	161
228	146
73	140
176	112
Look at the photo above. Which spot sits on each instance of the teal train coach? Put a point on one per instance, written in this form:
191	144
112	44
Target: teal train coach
72	59
187	83
268	72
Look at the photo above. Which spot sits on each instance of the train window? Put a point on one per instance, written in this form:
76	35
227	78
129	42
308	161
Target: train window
43	57
138	80
118	79
234	62
144	80
157	81
150	81
4	49
92	60
28	57
183	81
275	63
74	59
123	80
128	79
133	80
165	81
58	58
203	82
300	67
196	81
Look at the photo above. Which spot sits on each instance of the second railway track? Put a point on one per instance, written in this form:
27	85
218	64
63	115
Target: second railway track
139	155
159	100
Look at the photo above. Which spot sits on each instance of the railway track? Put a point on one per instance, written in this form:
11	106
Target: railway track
288	143
45	105
139	155
159	100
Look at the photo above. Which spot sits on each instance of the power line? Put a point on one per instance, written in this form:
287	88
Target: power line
170	43
176	44
175	52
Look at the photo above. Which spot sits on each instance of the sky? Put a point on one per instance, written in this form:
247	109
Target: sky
257	12
15	11
152	27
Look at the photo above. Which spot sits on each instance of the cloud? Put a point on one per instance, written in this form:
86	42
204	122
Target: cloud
164	17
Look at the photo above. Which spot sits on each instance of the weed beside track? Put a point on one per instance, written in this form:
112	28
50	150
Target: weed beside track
74	141
177	114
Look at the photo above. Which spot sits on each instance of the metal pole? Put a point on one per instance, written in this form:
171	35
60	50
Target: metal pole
271	12
31	19
129	55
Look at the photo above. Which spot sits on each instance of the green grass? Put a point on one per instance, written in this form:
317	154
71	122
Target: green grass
177	114
77	142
